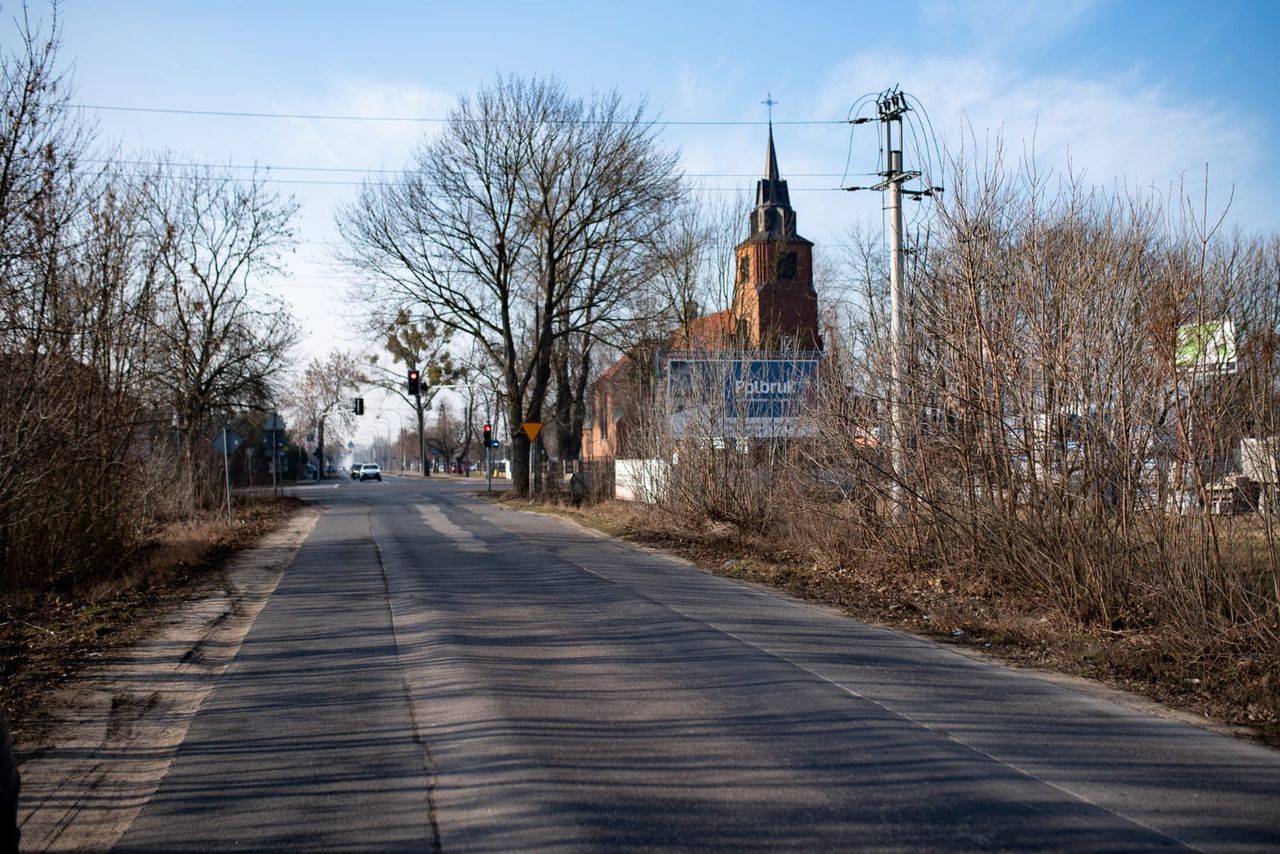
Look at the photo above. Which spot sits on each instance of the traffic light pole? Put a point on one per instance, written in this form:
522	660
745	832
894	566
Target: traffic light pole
487	435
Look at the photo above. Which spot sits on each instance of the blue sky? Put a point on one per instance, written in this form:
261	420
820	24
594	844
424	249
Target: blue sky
1136	94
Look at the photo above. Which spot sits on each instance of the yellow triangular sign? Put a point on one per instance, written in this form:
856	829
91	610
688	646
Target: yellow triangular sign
531	429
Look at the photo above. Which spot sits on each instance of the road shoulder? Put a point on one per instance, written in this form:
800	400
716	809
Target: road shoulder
120	723
1029	657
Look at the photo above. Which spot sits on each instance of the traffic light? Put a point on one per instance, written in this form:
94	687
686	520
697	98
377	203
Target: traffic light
359	406
488	435
415	386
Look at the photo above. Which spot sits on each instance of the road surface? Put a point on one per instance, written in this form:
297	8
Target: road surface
437	673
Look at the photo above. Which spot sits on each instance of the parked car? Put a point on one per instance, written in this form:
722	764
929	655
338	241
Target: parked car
370	471
355	470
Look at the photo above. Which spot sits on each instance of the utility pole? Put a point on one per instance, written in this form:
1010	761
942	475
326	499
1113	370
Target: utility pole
891	106
891	109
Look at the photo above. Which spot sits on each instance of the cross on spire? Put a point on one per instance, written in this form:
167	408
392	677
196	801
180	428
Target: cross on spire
769	102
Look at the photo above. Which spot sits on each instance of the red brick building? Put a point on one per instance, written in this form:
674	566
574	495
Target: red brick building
774	309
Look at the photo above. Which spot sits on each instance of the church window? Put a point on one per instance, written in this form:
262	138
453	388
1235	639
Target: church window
787	268
744	267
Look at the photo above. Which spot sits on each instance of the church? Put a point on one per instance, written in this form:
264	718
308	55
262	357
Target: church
774	311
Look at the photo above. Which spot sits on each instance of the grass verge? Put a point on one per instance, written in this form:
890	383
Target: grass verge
47	639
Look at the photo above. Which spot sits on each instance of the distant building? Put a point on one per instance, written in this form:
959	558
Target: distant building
774	309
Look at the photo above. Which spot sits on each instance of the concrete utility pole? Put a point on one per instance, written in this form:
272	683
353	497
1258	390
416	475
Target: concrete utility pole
891	106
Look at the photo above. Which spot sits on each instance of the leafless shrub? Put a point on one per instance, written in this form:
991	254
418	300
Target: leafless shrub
1066	438
119	309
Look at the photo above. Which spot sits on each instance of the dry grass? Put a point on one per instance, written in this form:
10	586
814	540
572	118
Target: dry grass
46	639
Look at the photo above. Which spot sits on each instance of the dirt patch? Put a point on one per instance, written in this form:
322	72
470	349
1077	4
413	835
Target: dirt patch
1240	695
110	733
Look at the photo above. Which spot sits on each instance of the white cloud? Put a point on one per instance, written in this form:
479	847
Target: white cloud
365	144
1005	26
317	287
1114	131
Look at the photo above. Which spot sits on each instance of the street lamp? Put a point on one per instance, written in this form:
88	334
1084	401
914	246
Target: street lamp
400	440
385	421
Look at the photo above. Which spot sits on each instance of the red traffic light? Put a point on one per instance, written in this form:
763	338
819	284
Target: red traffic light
415	386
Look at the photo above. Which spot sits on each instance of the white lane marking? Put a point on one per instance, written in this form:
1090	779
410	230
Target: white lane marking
462	538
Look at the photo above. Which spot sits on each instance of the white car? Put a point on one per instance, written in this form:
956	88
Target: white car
370	471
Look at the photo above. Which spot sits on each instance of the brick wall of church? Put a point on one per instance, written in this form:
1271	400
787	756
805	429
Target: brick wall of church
772	306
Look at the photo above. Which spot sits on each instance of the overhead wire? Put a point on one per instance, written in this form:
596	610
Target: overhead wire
267	167
141	164
250	114
850	117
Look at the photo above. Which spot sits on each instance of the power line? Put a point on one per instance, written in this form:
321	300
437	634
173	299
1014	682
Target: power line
353	170
338	183
248	114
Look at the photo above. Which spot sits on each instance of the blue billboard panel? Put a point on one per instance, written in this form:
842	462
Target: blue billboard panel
739	396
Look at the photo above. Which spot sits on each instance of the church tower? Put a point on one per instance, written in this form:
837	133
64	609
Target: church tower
774	304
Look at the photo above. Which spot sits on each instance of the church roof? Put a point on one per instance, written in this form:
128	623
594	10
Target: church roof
771	159
703	333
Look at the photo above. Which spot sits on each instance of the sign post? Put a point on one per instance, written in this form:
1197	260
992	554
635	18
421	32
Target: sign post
531	429
274	424
226	443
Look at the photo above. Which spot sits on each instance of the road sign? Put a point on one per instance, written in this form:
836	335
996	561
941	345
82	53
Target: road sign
274	422
227	441
531	429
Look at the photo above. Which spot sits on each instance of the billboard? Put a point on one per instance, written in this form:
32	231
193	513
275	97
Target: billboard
745	395
1207	347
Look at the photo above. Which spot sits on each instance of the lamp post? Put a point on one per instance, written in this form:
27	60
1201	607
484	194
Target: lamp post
387	423
400	440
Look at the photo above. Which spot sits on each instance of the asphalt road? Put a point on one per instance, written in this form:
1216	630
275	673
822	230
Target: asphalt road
437	673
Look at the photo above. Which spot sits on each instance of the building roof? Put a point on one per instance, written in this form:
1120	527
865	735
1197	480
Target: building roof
707	332
703	333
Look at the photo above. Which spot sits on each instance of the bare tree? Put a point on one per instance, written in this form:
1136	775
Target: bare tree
448	432
72	312
222	340
492	228
422	347
320	398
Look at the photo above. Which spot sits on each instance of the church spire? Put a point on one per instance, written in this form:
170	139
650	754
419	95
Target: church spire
773	217
771	158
